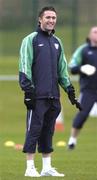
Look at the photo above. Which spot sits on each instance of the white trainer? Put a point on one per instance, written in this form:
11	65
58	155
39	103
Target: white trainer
72	143
32	172
51	172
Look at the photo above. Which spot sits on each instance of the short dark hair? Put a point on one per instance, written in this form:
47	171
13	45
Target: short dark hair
47	8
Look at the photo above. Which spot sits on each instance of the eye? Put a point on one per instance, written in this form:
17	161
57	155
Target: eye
49	17
53	17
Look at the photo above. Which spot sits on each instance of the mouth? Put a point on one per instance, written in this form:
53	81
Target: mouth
50	25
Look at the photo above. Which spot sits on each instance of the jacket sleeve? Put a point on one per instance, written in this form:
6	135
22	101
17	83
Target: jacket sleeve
25	65
63	76
76	60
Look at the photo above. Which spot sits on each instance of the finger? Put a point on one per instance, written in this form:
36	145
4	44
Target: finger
78	105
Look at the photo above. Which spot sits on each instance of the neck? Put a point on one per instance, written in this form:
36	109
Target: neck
94	43
46	30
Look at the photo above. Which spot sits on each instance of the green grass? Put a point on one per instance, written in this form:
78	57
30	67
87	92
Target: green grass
11	41
9	65
80	164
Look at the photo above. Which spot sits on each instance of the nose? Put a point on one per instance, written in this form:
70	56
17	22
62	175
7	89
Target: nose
51	19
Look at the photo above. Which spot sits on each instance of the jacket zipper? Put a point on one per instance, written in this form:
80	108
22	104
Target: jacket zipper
51	96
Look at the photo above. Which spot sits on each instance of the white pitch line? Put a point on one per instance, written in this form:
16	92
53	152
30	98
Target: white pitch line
16	78
9	77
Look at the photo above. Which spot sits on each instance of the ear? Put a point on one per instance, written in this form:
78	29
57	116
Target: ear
40	19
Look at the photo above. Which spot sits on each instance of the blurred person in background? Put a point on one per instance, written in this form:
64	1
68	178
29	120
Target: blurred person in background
84	63
42	67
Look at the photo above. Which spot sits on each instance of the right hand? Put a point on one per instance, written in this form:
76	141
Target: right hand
88	69
29	100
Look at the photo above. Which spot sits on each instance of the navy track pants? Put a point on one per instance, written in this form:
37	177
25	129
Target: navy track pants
40	126
87	99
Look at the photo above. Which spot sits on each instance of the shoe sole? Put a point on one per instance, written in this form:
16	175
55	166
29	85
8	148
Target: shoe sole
51	175
31	176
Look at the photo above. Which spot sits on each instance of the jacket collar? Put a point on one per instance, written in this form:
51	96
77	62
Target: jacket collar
45	32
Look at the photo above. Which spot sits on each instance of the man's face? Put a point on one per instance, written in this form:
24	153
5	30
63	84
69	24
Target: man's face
48	20
93	35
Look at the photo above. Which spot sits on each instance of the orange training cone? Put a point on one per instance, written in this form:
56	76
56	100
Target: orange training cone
59	123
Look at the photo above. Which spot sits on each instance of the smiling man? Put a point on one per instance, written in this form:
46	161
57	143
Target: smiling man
42	67
47	20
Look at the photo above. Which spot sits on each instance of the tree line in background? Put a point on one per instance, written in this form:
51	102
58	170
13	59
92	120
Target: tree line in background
20	13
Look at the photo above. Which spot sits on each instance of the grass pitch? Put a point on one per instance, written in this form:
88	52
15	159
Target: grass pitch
80	164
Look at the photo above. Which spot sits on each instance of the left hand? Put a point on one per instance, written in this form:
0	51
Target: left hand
78	105
71	95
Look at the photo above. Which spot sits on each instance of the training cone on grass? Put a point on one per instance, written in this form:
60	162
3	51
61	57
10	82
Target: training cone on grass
18	146
9	144
59	123
61	143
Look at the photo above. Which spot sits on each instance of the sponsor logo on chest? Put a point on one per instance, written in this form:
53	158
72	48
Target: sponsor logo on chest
56	45
90	52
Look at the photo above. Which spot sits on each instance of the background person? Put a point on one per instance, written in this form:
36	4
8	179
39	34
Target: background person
84	63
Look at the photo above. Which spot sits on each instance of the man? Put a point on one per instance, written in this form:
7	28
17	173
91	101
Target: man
84	63
42	66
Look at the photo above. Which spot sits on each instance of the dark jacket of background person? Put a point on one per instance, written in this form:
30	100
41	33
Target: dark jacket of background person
85	54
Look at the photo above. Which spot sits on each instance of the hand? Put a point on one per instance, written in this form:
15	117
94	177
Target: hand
88	69
29	100
78	105
71	94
